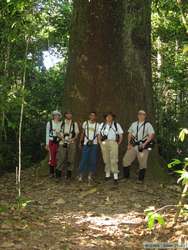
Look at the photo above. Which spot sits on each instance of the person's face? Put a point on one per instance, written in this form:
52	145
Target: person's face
109	118
68	116
141	116
57	117
92	117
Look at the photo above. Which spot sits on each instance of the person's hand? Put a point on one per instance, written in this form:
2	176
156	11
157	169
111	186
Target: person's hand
47	147
129	146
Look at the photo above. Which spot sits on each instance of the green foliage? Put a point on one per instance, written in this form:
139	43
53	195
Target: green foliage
182	134
184	163
184	211
153	218
45	24
184	177
152	215
169	64
174	163
21	203
183	173
3	208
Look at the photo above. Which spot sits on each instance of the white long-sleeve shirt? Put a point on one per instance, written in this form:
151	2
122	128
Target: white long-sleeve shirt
56	128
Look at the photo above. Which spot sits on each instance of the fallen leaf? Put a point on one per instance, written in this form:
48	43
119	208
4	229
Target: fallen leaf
59	201
7	244
91	191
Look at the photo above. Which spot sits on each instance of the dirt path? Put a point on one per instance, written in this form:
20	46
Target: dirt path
76	216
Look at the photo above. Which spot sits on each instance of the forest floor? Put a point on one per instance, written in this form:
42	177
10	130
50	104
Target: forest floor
59	215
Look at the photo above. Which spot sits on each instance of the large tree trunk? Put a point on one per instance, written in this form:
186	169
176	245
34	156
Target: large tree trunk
109	67
109	58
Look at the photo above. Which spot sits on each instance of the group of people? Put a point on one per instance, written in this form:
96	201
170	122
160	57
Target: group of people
63	135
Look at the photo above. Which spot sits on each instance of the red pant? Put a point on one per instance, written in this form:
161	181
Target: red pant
53	147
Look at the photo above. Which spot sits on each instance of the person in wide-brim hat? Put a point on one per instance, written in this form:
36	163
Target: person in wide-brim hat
53	127
110	136
56	113
109	114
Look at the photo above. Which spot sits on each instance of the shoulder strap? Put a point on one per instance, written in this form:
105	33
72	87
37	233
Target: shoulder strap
87	126
144	126
103	125
95	134
115	125
144	129
62	124
51	126
73	127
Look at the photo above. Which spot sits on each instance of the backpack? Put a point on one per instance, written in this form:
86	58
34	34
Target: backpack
73	133
115	125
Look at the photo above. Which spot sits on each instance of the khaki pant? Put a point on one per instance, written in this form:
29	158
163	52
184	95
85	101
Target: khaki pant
110	156
66	157
132	154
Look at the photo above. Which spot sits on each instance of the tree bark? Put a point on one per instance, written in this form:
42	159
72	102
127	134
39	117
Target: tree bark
109	58
109	66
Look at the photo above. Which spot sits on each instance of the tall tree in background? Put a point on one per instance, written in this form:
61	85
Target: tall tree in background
109	58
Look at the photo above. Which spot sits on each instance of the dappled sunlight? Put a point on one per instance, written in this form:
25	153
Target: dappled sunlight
115	220
101	227
105	220
83	217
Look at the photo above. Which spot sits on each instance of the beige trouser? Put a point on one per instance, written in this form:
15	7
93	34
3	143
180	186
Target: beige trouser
66	156
132	154
110	156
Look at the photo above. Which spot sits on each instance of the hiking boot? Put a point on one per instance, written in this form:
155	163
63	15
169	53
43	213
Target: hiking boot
80	179
126	172
58	173
141	174
115	182
51	171
90	180
107	178
69	175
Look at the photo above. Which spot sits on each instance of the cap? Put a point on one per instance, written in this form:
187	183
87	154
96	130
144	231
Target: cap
56	112
142	112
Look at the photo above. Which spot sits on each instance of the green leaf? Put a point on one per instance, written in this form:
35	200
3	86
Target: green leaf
152	217
160	219
185	49
183	178
174	163
151	221
179	171
182	134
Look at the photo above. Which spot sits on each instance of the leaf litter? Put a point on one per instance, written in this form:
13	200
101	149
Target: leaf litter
60	215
